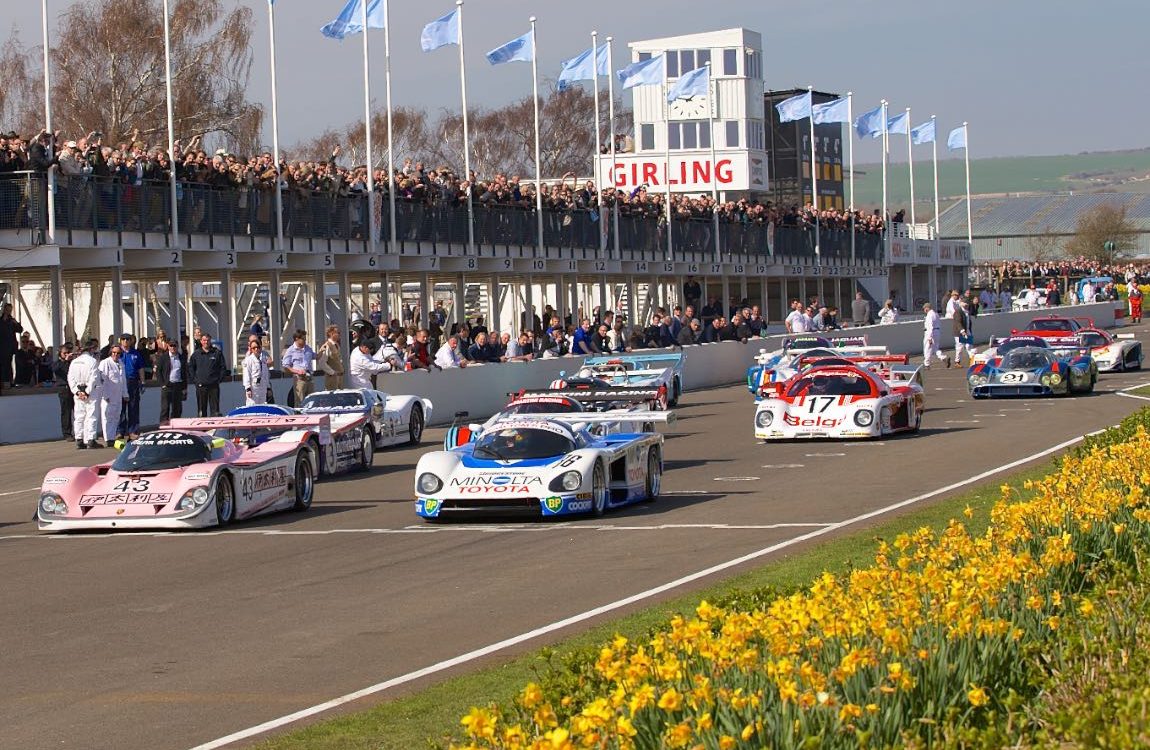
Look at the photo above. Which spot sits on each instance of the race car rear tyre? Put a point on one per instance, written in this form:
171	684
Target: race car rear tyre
366	450
224	497
917	421
304	483
676	391
654	476
599	491
415	425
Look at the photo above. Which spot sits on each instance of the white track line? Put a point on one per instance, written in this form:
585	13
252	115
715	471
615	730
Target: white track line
506	643
1131	395
19	492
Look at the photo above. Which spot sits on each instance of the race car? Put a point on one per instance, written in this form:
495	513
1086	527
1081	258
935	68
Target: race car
998	347
1031	369
542	465
362	421
629	404
179	478
1111	353
1056	328
842	399
637	370
781	364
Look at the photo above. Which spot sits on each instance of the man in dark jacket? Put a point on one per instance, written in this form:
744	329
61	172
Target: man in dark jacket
10	330
206	370
171	372
60	376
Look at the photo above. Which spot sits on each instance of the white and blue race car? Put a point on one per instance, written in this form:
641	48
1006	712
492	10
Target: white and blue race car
542	465
657	370
782	364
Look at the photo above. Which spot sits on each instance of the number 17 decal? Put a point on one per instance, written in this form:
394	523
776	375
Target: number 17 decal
819	404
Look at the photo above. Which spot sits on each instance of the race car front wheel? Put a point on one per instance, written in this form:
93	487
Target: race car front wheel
654	475
415	425
304	483
599	490
366	450
225	499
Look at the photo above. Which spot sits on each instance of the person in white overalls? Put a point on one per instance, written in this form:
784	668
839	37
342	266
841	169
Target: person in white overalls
113	393
256	375
931	337
84	382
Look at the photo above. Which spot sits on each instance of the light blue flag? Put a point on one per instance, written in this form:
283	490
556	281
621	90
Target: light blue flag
643	73
923	133
957	138
521	49
440	32
836	111
693	83
583	67
350	19
869	123
795	108
899	124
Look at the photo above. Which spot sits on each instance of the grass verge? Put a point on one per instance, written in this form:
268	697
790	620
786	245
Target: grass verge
1140	391
422	719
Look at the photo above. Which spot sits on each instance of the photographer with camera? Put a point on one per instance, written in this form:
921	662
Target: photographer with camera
299	361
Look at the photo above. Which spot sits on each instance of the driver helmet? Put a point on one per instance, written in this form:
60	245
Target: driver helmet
362	329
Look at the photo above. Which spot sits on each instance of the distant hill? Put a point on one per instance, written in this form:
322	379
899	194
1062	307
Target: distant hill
1122	171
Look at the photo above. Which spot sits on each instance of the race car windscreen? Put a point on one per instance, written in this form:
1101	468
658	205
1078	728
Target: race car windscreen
518	443
1026	359
320	401
1093	340
830	385
157	451
1033	343
1051	325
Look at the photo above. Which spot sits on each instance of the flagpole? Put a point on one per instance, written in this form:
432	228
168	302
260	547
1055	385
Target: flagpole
934	157
611	147
597	167
171	125
372	232
667	168
279	206
851	167
885	159
814	172
711	107
966	151
910	166
538	165
50	188
466	139
390	126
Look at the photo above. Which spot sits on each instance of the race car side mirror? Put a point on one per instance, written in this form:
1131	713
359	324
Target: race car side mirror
463	414
377	410
120	445
475	427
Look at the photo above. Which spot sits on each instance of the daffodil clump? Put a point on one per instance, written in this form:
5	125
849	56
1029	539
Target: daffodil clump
938	633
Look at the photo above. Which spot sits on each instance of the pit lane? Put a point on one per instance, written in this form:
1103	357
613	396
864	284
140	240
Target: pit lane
137	640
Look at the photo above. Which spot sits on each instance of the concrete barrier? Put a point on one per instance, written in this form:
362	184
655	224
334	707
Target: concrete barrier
482	390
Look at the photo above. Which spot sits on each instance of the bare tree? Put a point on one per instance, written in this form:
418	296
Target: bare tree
1104	234
105	80
19	106
410	138
1044	246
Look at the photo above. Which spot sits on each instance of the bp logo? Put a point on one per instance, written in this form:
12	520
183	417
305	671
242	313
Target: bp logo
554	504
430	507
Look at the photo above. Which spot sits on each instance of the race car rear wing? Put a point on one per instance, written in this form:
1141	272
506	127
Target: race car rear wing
320	423
598	395
649	361
667	417
904	374
897	359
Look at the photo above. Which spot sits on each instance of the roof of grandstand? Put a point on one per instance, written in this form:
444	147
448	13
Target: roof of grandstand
1020	216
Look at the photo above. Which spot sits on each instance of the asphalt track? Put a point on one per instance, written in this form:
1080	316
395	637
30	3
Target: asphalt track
157	641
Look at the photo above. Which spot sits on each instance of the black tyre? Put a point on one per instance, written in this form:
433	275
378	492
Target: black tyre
654	476
676	391
366	450
224	498
415	425
599	491
304	483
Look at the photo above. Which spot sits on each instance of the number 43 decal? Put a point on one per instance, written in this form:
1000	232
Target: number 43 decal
132	485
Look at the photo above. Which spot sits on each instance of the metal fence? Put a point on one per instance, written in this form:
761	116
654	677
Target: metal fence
91	204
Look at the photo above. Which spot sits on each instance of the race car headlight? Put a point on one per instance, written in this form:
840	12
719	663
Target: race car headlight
1051	379
864	418
200	495
428	483
193	499
568	481
976	380
764	418
52	504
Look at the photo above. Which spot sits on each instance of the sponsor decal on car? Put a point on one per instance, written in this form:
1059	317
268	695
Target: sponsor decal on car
553	504
429	506
197	475
127	498
494	480
578	506
797	421
56	480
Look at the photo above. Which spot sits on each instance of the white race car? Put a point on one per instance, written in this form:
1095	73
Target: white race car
1111	353
840	399
542	465
781	364
638	371
391	420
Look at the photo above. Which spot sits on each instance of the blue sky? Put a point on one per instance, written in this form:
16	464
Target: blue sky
1020	71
